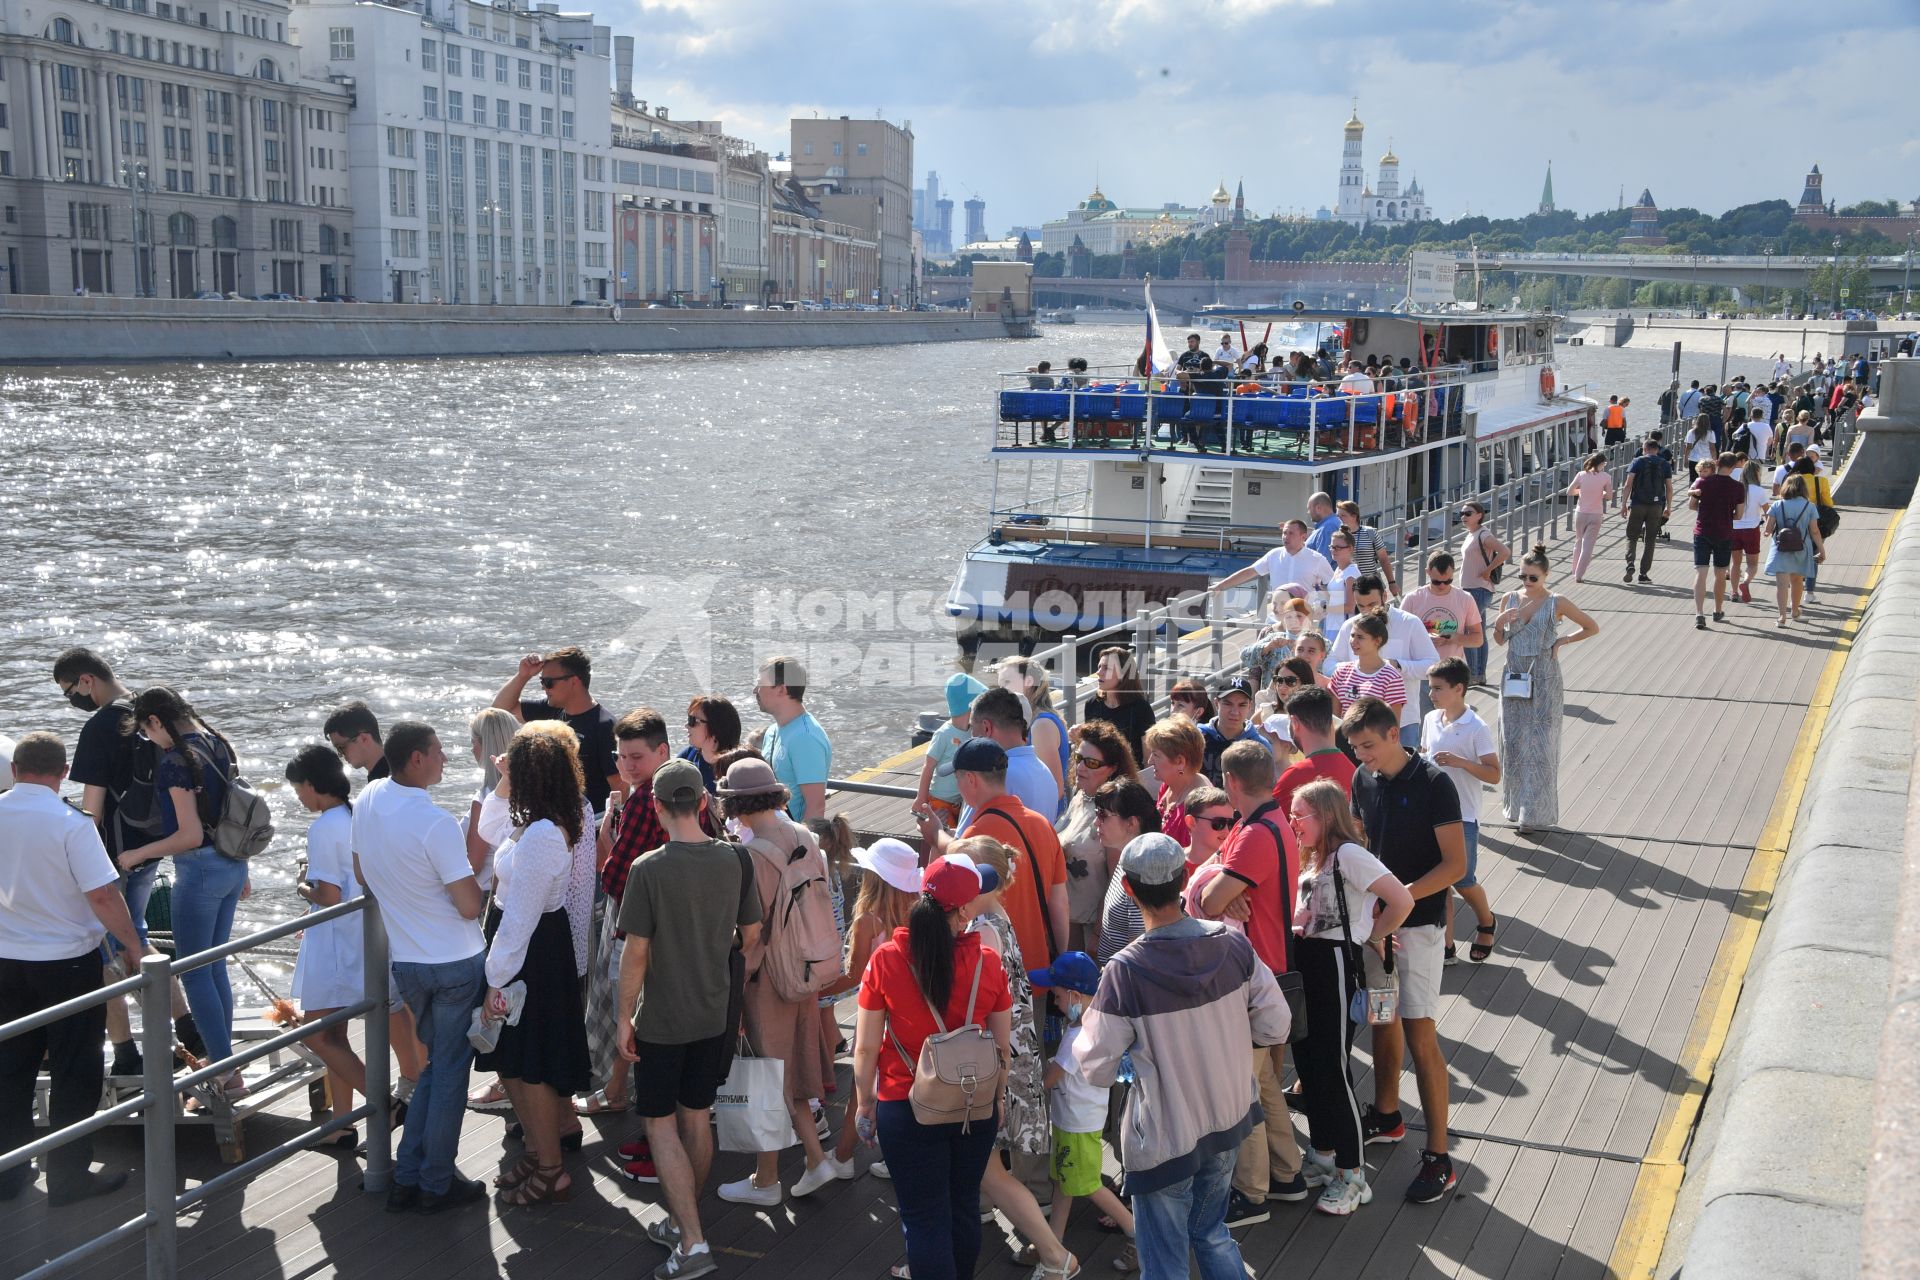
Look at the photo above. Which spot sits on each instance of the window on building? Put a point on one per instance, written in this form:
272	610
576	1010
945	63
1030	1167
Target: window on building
455	59
836	148
479	63
859	148
286	235
526	117
430	102
566	82
429	55
340	44
456	105
546	78
526	73
500	68
402	188
400	143
566	124
501	108
546	121
806	148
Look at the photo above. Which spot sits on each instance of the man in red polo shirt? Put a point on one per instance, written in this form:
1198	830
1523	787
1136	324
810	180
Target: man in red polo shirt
1310	717
1261	863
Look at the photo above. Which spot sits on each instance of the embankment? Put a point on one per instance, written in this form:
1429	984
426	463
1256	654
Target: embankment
48	330
1800	339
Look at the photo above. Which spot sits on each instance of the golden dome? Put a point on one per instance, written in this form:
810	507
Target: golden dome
1353	122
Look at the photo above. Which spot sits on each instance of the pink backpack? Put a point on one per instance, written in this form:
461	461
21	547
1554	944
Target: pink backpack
803	954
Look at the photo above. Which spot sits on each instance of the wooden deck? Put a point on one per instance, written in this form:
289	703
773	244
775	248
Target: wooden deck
1564	1048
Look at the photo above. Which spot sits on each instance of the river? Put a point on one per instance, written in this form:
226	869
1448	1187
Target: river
276	539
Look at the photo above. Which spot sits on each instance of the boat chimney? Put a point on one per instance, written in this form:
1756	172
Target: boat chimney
623	68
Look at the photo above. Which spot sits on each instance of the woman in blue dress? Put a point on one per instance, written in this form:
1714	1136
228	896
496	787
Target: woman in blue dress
1790	569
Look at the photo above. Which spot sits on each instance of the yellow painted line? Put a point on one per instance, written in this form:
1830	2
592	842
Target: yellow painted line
1643	1233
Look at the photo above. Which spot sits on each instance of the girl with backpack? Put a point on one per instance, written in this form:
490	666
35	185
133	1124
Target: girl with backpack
1794	545
927	982
778	1025
192	776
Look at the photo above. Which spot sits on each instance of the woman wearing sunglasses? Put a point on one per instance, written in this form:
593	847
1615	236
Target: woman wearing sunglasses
1532	692
1100	756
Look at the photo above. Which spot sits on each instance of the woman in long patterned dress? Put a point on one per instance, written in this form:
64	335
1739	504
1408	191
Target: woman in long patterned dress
1528	625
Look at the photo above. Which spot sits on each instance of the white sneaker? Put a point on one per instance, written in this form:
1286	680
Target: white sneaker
745	1192
1317	1170
1345	1193
828	1170
879	1170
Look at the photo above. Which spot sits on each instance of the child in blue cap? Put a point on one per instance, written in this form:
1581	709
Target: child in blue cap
1079	1108
938	793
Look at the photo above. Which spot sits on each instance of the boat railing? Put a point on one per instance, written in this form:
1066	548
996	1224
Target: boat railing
161	1096
1280	420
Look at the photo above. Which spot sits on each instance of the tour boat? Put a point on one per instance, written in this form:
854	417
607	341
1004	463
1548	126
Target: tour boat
1113	492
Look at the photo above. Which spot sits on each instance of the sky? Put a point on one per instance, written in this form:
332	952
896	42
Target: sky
1708	103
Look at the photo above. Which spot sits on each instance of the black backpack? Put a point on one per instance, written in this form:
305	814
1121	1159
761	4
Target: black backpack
1649	483
137	814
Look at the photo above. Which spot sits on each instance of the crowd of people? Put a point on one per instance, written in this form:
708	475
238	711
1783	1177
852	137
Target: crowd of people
1114	939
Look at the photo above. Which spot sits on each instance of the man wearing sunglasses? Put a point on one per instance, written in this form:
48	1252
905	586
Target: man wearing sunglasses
1452	617
565	675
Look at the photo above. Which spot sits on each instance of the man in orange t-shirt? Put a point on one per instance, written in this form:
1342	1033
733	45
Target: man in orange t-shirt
1037	903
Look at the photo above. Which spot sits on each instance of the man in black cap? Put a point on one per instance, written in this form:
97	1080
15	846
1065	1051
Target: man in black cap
1231	723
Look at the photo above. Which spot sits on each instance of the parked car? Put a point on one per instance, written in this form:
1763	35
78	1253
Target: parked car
209	295
336	297
586	302
277	297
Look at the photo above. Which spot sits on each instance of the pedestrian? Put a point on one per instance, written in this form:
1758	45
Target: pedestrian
1408	646
1702	442
1232	722
889	885
1368	674
1451	616
1454	737
1794	545
938	791
1046	731
190	783
1260	863
1188	697
1191	1101
1078	1110
1312	650
1326	523
713	729
1210	817
1310	713
566	676
1746	531
1532	693
999	717
1718	500
835	837
1347	899
354	733
1647	502
62	897
1367	546
796	746
1591	491
686	907
778	1027
490	734
1340	584
1121	700
1411	814
1100	756
1124	811
1175	752
1482	557
330	972
1613	423
114	768
1293	561
409	854
933	976
541	889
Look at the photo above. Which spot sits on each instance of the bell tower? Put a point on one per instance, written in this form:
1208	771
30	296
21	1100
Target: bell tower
1353	174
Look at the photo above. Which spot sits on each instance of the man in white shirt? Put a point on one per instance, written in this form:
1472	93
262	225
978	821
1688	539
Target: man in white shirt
412	858
1292	561
1356	383
1409	647
59	896
1782	368
1225	354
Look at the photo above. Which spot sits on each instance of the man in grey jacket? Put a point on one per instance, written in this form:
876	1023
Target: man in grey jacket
1182	1001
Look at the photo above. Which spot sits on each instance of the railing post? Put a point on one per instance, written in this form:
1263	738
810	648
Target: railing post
1068	682
373	944
1143	648
1170	647
1216	636
156	1049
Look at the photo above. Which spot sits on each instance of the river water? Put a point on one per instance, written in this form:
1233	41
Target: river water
276	539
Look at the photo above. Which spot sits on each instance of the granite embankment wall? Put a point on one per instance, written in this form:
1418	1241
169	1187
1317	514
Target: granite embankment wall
1800	339
49	330
1777	1175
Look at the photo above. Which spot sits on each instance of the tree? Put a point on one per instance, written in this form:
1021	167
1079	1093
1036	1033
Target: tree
1871	209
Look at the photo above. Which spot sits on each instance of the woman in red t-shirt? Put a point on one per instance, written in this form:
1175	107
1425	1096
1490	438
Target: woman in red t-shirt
933	962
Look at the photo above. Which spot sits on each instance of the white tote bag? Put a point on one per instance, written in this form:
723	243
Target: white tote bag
751	1107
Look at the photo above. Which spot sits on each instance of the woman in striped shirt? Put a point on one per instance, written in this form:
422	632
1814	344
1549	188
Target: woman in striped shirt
1369	675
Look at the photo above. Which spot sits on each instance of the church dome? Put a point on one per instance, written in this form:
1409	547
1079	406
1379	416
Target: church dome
1220	195
1354	126
1097	202
1390	158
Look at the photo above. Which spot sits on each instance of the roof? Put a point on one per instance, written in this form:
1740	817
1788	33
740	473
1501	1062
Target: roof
1336	315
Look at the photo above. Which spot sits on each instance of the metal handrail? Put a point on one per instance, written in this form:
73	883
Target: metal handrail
153	984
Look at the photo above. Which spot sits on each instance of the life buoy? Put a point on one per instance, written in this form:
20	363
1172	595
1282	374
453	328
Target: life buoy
1546	384
1493	343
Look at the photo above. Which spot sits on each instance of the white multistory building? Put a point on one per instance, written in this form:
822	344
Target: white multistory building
479	147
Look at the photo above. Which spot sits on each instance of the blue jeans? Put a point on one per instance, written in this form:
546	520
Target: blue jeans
443	998
206	889
1471	832
1477	656
137	888
936	1171
1192	1212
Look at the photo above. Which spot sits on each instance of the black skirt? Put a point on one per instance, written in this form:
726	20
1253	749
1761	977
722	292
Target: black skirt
549	1044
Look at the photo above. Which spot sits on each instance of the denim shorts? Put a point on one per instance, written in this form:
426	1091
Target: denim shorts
1471	830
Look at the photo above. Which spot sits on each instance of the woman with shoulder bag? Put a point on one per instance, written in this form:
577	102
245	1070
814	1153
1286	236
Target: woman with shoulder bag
1532	693
1794	545
1347	899
192	774
933	981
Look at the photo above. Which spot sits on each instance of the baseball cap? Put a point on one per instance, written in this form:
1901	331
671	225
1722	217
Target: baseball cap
1072	971
894	861
962	689
1153	858
976	755
955	880
1239	684
677	780
745	778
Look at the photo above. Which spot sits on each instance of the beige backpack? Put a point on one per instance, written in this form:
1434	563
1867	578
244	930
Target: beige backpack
959	1074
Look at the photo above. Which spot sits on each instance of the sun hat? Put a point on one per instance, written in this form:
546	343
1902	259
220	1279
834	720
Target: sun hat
747	777
962	689
894	861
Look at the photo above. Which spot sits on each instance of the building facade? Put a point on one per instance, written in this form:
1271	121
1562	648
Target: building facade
860	173
1360	204
812	258
718	188
1107	228
162	149
478	147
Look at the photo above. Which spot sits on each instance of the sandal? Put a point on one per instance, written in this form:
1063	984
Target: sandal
1067	1271
520	1172
1479	951
597	1103
491	1098
543	1187
899	1271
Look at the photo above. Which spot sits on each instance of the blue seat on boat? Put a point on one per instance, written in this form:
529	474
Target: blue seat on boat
1033	406
1258	411
1202	409
1130	406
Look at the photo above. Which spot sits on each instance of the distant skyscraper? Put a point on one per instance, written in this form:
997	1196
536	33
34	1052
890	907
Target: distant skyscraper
976	220
941	241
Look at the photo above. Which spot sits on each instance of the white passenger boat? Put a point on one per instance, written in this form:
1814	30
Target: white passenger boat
1112	492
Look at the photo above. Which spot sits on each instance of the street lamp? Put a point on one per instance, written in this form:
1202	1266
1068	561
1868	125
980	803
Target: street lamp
491	210
135	175
1906	289
1766	268
1836	275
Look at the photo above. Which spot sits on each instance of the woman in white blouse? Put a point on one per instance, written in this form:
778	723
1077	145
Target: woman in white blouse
537	932
331	971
